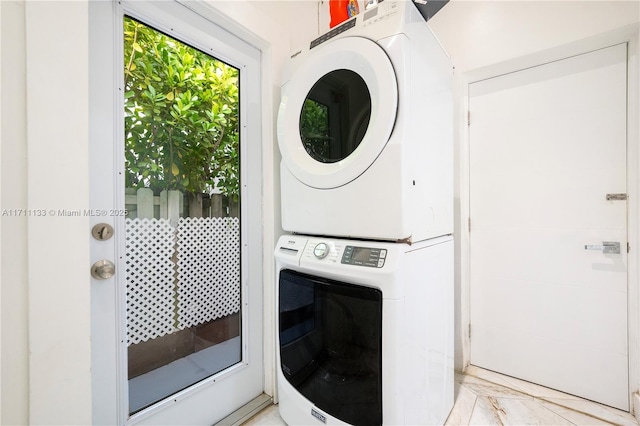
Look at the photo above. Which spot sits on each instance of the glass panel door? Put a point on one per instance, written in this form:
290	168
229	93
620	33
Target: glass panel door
182	195
188	285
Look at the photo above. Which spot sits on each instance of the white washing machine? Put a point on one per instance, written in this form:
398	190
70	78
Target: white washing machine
365	129
364	331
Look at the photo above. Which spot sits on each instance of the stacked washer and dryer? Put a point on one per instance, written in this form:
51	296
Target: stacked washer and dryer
365	278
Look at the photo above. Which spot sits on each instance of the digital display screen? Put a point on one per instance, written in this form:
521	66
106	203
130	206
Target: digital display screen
364	256
361	254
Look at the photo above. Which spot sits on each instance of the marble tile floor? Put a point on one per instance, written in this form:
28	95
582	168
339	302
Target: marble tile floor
485	398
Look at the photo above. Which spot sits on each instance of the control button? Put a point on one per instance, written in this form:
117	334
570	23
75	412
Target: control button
383	253
321	250
380	263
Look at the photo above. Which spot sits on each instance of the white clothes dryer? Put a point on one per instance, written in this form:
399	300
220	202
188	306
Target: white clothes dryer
364	331
365	129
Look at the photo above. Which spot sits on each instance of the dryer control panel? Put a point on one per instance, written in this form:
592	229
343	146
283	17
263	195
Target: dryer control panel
364	256
335	252
323	251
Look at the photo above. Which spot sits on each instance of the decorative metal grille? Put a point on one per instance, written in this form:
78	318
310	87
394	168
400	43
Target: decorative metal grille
208	269
150	279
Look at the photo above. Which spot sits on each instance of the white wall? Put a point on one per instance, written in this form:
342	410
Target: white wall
45	311
13	168
0	206
57	247
481	33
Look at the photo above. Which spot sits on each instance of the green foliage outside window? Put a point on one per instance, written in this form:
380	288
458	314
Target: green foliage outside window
181	116
314	129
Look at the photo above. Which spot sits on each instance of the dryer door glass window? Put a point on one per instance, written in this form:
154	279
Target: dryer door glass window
330	336
337	112
335	116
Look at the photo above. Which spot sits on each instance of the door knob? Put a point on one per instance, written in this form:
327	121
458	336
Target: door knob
609	247
103	270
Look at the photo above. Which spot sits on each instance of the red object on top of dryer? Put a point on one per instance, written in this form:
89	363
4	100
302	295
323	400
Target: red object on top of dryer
341	10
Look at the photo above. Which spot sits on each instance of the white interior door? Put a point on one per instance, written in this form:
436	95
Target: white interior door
548	303
177	331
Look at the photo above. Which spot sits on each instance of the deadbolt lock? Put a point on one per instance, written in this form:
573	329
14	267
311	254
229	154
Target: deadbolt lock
102	231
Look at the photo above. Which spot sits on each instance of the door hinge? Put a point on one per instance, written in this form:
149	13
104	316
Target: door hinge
628	248
469	331
469	224
468	118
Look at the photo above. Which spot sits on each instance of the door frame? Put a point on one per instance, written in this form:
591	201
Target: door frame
630	35
105	31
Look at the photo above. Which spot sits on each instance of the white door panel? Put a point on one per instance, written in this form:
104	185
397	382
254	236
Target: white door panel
547	144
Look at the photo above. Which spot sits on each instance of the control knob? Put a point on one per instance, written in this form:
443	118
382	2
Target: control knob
321	250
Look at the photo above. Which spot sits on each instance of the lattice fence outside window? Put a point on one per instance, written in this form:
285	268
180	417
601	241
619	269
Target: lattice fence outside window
208	269
150	275
182	276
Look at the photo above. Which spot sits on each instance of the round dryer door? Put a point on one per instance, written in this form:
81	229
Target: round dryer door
337	112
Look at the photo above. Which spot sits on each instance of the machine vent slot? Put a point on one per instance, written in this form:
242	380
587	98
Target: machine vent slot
334	32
